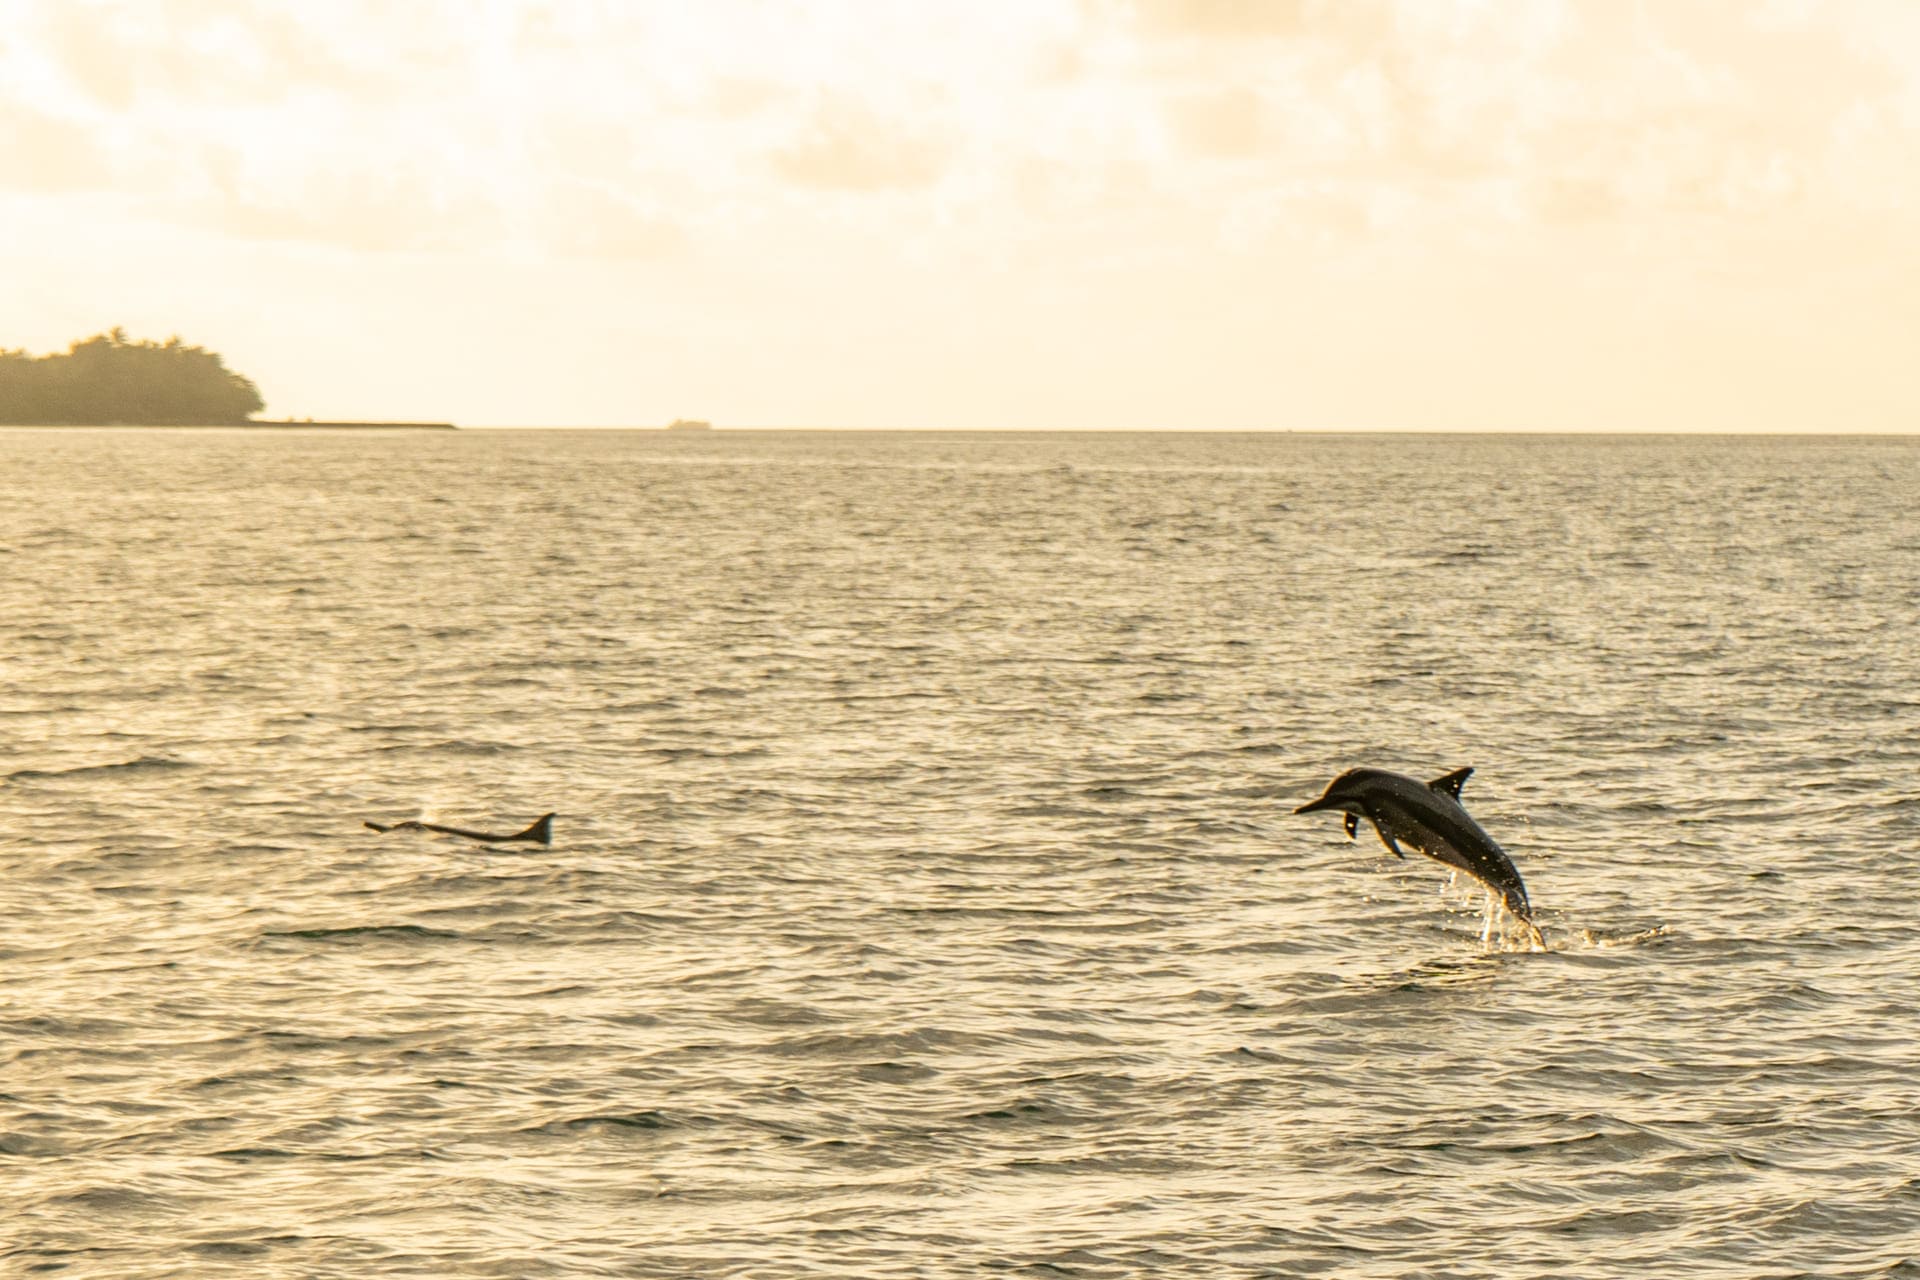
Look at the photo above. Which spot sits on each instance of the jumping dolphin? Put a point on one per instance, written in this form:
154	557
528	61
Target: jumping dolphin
1428	816
541	831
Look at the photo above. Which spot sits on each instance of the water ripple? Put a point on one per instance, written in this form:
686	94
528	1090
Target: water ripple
925	898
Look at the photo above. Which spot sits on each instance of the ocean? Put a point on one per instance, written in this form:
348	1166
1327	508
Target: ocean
925	896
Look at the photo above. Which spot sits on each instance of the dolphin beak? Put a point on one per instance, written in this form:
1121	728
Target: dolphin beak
1314	806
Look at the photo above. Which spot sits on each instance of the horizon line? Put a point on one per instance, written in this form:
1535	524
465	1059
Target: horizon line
1227	431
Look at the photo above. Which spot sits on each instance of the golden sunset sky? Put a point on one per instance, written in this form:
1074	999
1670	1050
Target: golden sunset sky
1224	214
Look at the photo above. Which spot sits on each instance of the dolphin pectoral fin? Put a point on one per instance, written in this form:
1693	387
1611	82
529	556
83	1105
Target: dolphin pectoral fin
1450	785
1353	826
1388	841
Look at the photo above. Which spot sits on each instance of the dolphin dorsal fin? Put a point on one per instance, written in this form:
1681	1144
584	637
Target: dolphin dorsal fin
541	830
1451	784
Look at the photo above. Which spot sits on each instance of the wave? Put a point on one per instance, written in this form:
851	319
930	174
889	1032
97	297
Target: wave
364	931
455	747
145	764
645	1120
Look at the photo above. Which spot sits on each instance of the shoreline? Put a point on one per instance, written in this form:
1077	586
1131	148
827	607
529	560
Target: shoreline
360	426
228	426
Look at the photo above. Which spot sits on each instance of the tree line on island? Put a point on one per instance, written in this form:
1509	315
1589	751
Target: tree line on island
110	380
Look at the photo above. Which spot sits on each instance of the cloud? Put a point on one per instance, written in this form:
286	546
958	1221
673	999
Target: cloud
848	147
119	56
354	210
592	222
1222	17
40	152
1345	21
1223	123
1574	199
1560	113
591	128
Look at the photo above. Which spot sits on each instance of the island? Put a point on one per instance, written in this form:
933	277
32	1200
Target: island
689	424
110	380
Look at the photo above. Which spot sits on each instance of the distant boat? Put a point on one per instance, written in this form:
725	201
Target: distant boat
689	424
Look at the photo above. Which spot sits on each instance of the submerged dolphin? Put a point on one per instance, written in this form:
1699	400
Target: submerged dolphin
541	831
1428	816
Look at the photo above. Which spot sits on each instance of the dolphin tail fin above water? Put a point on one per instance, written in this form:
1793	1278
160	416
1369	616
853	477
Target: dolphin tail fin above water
1451	784
541	830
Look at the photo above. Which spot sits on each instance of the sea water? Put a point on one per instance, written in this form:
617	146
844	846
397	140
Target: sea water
925	897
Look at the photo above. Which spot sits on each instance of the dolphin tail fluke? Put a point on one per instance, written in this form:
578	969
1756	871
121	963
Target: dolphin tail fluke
541	831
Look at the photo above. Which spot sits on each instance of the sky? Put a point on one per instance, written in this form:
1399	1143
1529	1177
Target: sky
1135	214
